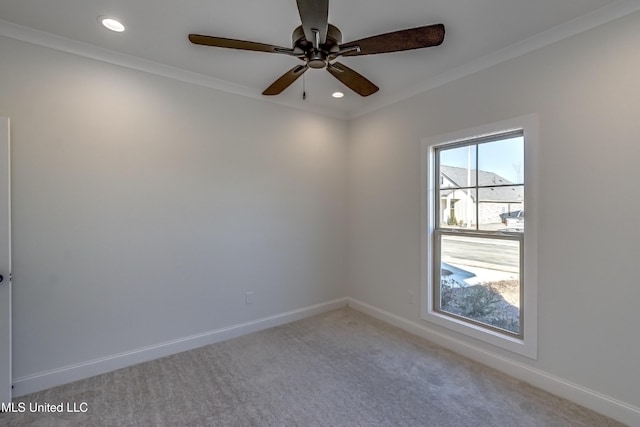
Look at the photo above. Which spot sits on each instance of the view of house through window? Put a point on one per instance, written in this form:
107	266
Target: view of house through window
479	232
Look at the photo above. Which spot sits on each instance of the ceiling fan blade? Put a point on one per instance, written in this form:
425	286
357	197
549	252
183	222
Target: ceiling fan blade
237	44
413	38
353	80
285	80
314	15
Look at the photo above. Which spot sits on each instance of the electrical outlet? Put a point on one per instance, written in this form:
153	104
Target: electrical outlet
411	297
248	297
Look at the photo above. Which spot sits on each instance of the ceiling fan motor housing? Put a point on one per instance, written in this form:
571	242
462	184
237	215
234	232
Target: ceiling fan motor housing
317	58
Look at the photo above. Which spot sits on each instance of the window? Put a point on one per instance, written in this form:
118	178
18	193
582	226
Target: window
479	253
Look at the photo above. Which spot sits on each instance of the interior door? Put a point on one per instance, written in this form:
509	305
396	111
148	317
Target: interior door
5	263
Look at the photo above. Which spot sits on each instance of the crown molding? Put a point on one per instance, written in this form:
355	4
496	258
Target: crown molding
569	29
74	47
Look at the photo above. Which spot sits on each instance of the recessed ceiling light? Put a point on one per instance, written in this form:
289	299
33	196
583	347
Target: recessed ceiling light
111	24
337	94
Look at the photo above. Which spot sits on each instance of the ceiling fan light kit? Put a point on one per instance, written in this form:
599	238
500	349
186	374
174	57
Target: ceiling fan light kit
318	44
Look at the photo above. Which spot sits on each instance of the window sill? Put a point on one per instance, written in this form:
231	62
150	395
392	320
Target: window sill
513	344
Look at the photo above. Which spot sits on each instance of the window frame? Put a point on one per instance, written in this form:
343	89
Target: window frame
526	342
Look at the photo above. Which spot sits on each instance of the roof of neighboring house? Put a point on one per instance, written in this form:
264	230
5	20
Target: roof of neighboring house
460	176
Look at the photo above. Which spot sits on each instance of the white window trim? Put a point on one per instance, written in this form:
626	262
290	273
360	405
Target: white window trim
528	346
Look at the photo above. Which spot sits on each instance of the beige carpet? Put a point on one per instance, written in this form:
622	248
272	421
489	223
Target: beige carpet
340	368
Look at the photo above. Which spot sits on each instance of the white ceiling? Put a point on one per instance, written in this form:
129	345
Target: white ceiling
157	31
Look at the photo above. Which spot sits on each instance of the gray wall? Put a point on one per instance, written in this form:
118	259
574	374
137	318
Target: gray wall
586	91
144	208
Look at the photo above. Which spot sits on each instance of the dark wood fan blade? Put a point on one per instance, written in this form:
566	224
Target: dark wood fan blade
237	44
353	80
413	38
285	80
314	15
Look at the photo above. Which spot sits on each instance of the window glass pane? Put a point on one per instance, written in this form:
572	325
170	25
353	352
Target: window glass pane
501	208
457	208
480	280
501	162
457	167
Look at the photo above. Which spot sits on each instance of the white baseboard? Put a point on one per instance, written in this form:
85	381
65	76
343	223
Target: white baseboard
591	399
79	371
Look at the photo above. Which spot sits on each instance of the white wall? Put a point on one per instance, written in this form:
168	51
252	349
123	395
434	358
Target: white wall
586	91
144	208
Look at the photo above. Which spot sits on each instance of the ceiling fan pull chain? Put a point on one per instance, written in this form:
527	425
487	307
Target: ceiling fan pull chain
304	88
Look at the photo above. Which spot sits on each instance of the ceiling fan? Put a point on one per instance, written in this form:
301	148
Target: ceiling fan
318	44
